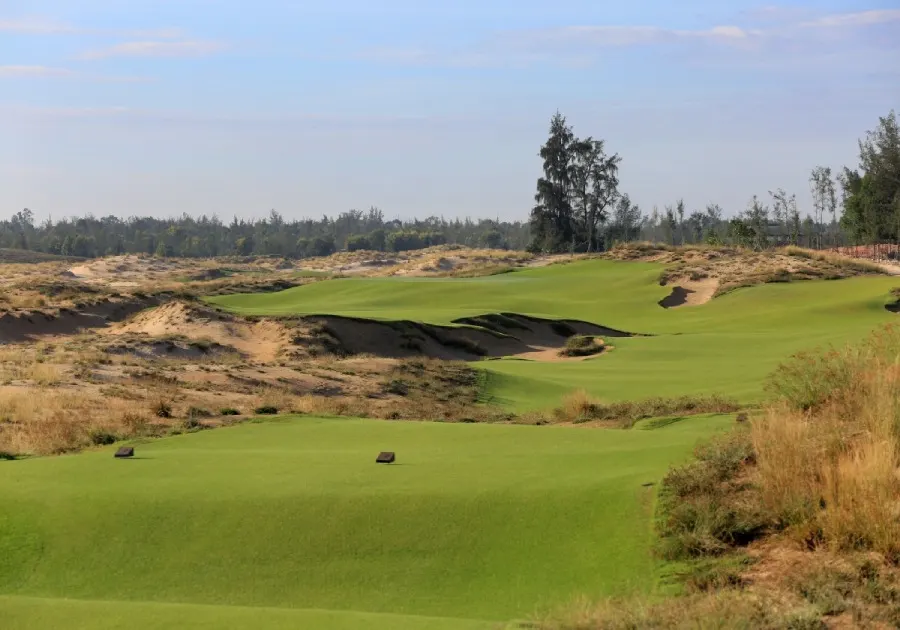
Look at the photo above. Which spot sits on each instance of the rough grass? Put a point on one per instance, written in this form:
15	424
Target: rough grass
726	609
580	407
826	454
828	451
820	468
582	346
837	260
816	472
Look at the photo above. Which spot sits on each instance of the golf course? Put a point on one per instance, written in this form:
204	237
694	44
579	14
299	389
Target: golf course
288	522
727	346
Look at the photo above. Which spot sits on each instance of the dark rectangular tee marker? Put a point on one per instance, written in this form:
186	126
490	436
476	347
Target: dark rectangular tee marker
125	451
385	457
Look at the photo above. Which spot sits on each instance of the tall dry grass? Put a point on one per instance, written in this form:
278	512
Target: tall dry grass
51	421
838	260
578	407
828	451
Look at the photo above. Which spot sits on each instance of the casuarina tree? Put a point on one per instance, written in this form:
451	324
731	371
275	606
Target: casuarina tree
576	192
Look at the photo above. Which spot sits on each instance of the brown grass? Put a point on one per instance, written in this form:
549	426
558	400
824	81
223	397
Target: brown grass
579	407
831	258
729	609
56	421
829	451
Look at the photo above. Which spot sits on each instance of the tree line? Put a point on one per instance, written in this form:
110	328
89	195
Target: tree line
208	236
578	208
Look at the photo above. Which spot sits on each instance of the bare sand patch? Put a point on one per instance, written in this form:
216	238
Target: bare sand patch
262	341
686	292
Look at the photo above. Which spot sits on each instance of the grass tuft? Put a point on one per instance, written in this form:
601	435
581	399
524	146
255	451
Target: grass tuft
582	346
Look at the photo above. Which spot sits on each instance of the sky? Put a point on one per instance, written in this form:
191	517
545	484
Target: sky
421	108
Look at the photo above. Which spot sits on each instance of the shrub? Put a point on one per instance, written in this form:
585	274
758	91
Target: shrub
829	446
579	407
229	411
191	423
102	437
582	346
162	409
135	423
702	512
266	410
396	386
198	412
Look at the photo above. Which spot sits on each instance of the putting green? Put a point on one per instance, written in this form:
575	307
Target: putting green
727	346
290	523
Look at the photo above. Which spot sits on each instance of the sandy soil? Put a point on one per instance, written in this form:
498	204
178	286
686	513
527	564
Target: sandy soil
687	292
260	341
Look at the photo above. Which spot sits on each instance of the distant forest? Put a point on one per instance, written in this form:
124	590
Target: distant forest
578	208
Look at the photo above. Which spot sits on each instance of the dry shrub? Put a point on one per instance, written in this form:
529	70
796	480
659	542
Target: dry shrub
582	346
44	374
838	260
787	473
862	499
829	449
280	399
576	406
579	407
58	421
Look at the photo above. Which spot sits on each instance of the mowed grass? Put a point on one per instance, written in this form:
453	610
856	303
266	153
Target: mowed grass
726	346
290	523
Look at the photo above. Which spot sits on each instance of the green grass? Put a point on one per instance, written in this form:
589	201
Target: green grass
290	523
727	346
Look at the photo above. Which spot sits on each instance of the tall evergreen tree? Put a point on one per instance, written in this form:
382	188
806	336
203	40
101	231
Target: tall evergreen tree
871	192
574	196
552	225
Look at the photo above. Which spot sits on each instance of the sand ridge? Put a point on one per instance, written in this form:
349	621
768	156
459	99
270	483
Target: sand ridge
262	341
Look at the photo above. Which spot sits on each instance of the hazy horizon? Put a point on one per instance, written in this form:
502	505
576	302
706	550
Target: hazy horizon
158	108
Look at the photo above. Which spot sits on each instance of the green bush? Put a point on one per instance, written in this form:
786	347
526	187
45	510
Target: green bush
397	386
102	437
229	411
266	410
703	512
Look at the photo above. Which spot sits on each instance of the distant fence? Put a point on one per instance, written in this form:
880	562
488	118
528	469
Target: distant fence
878	251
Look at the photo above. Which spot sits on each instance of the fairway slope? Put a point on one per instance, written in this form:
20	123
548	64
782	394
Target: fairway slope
726	346
473	522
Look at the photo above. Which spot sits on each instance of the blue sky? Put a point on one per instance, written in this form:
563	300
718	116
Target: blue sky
134	107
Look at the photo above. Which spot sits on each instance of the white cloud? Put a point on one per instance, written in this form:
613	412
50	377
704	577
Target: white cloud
34	71
34	26
188	48
862	18
50	72
44	26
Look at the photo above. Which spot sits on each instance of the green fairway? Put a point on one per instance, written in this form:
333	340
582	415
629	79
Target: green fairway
291	524
727	346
